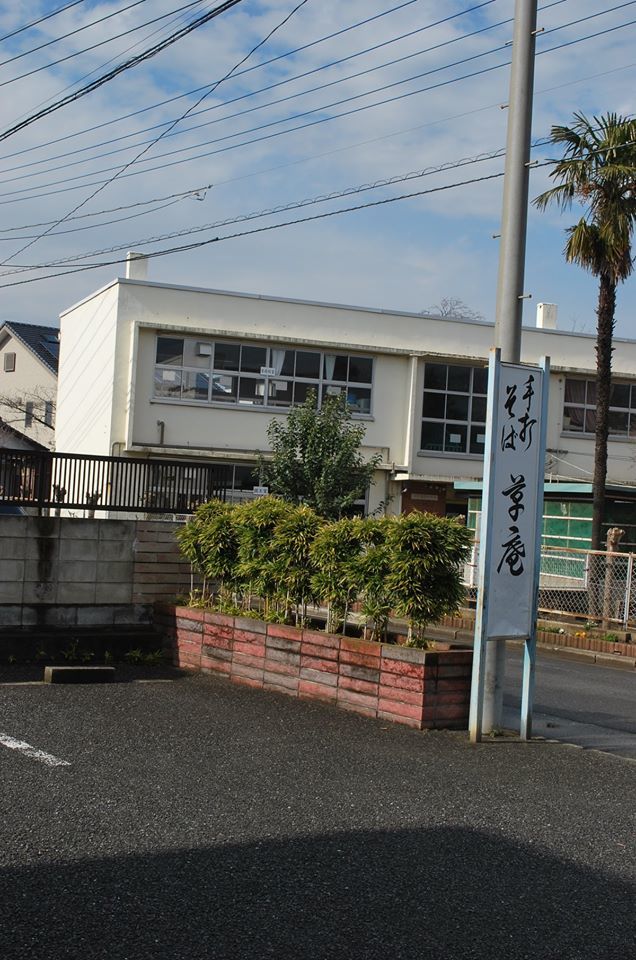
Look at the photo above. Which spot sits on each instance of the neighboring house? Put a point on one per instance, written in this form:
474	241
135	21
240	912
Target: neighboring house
157	370
28	380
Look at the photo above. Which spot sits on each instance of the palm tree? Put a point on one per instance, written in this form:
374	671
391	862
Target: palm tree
598	170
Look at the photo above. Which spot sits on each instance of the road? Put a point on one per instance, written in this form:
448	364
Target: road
580	703
197	820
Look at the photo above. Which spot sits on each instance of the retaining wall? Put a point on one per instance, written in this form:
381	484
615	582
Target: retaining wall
419	688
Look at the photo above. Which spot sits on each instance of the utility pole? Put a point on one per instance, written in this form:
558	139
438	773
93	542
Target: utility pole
512	252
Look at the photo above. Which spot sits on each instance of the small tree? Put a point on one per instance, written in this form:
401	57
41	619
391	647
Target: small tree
316	457
372	568
210	543
256	521
425	578
336	554
290	561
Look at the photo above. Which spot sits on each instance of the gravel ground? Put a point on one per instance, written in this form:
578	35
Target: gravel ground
202	820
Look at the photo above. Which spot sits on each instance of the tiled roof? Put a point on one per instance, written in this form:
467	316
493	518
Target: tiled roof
43	341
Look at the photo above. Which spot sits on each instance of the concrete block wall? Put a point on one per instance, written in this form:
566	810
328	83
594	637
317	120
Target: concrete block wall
73	564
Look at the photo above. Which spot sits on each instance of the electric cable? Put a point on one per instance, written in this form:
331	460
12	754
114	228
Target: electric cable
301	115
34	23
253	93
257	66
127	65
263	229
127	206
94	46
103	186
500	152
71	33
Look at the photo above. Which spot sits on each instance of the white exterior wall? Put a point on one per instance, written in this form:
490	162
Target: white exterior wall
116	331
90	382
31	380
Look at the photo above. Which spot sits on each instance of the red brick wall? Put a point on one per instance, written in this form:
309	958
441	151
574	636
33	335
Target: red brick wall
419	688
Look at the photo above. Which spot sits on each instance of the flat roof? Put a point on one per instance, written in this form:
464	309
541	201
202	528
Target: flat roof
381	311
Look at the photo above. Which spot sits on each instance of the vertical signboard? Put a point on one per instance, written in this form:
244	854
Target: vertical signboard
512	507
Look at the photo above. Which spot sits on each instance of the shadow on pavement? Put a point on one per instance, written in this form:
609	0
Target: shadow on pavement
450	893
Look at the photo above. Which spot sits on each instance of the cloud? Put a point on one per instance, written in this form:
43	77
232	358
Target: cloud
405	255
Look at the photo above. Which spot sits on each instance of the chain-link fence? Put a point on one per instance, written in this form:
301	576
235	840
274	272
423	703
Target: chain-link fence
584	585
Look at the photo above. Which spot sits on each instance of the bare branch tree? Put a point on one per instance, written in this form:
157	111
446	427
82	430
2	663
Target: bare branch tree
453	308
14	410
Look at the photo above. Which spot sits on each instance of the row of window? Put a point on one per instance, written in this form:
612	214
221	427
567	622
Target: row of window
579	409
454	400
248	375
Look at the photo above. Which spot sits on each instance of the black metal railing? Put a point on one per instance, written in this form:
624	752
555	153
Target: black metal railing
124	484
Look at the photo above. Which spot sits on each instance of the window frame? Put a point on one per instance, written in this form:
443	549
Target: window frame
9	361
588	409
264	379
465	427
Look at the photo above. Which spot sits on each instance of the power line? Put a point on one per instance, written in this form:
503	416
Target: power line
76	83
337	194
303	126
352	146
98	213
263	229
34	23
282	208
272	86
243	59
314	217
65	36
127	65
94	46
257	66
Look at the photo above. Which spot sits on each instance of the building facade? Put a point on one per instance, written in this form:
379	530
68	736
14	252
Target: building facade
156	370
28	384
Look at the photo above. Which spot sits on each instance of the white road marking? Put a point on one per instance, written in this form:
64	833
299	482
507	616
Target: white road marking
32	752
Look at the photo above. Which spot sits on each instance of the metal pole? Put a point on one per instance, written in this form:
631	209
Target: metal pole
512	252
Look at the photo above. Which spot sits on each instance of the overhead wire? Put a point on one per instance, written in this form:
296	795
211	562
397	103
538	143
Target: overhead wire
263	229
121	68
322	198
35	23
94	46
303	114
258	66
271	86
438	46
229	73
71	33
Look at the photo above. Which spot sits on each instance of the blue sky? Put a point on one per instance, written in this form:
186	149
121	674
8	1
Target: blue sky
405	255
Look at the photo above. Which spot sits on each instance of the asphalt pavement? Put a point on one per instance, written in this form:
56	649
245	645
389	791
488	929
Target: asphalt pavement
195	819
586	704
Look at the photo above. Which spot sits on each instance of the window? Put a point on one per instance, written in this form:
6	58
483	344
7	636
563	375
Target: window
251	375
48	413
28	413
579	408
9	362
454	408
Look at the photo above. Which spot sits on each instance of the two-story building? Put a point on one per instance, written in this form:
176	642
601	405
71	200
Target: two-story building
28	384
157	370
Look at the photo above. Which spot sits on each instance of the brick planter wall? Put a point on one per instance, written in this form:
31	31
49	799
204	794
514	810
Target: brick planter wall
419	688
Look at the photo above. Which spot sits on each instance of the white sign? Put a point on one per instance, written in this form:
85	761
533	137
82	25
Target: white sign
268	371
513	485
260	491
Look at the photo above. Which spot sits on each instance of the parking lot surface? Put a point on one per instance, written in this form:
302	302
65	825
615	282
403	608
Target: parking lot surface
195	819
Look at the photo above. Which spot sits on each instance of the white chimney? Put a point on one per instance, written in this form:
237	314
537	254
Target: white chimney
547	316
136	266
